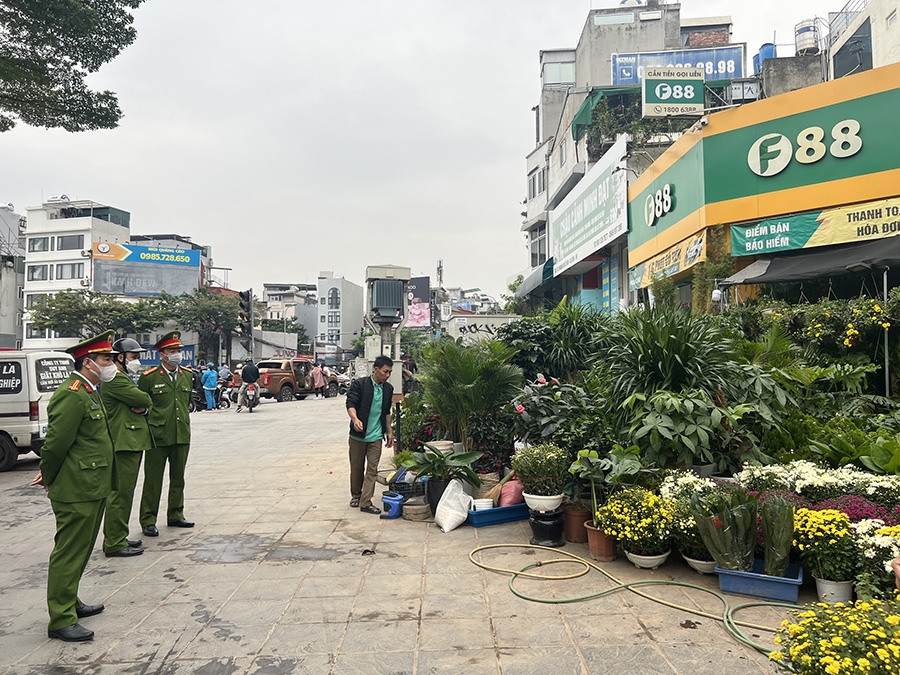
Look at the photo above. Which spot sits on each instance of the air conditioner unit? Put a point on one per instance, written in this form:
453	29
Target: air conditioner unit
86	253
86	282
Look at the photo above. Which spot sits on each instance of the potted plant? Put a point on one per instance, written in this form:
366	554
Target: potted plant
441	467
621	466
642	522
542	470
728	524
677	487
827	547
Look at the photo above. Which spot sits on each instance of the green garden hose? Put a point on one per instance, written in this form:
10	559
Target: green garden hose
727	617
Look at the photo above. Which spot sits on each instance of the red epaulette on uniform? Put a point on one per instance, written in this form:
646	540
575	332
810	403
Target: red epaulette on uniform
75	385
187	368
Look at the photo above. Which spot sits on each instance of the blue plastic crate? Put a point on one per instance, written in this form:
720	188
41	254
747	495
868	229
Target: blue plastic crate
498	514
761	585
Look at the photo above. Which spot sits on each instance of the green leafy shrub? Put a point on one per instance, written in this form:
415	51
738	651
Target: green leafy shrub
542	469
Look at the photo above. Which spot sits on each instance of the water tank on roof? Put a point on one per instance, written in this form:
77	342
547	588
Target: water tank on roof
766	51
806	37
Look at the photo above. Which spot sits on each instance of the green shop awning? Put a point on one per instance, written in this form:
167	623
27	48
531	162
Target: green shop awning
582	119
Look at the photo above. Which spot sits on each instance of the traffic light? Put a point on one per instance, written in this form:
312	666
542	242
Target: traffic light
245	314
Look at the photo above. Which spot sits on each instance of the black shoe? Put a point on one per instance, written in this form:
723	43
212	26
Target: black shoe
180	523
150	531
88	610
134	543
74	633
126	552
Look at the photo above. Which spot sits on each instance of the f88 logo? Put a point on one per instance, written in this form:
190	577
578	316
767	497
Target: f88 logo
771	153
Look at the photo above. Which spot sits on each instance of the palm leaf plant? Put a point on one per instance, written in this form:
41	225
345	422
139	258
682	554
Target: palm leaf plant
462	380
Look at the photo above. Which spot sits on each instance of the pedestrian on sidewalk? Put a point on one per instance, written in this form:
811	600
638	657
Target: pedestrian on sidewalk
170	388
369	407
78	472
127	408
210	380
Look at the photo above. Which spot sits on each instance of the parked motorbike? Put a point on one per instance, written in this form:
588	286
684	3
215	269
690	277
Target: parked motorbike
198	401
223	394
343	383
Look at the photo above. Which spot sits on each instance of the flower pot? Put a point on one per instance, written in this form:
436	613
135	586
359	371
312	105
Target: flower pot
834	591
647	562
434	490
701	566
547	528
704	470
600	544
543	502
575	517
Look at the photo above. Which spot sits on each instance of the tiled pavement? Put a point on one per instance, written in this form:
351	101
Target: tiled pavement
273	580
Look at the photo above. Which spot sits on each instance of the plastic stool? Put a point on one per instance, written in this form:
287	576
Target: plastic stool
393	504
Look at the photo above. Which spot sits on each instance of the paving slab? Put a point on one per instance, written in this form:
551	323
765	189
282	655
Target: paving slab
281	576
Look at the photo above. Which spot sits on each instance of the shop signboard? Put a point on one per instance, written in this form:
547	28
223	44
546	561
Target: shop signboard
672	92
684	255
593	214
125	269
860	222
717	63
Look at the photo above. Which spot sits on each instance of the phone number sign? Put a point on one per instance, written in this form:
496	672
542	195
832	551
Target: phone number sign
717	63
672	91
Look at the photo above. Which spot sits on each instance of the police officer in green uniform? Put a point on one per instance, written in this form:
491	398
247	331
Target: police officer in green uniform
169	387
78	471
127	408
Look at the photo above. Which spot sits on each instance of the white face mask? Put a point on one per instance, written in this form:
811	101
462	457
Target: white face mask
133	367
106	373
174	359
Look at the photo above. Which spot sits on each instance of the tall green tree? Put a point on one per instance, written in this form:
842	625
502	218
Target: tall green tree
84	313
210	314
47	49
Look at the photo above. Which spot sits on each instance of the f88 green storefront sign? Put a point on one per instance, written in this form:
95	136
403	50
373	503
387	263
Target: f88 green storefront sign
860	222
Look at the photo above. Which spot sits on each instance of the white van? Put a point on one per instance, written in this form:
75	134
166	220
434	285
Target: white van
27	381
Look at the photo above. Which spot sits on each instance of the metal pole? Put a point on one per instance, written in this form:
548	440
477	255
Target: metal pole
887	365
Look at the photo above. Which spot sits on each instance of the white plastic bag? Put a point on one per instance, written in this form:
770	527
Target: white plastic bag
453	509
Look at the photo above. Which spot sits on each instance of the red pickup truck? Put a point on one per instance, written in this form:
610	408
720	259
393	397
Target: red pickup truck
287	379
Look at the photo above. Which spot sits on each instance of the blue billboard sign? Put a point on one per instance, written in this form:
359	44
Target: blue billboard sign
718	63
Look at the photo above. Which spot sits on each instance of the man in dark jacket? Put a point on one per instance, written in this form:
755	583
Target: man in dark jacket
369	408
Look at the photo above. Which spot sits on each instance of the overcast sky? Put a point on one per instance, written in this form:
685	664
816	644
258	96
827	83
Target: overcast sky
295	136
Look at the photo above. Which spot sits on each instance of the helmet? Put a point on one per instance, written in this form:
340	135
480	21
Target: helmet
127	345
210	365
248	360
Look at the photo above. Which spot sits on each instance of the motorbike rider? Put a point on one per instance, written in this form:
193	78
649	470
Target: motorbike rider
249	375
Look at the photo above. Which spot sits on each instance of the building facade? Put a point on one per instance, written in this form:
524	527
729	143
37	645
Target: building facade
59	236
340	315
575	225
293	301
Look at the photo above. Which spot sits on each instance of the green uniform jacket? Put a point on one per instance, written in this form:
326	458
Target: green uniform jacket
129	430
169	419
77	458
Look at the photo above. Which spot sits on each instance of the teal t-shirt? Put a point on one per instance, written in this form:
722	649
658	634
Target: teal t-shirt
373	425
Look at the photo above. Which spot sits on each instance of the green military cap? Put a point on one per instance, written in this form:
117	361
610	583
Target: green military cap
168	340
101	344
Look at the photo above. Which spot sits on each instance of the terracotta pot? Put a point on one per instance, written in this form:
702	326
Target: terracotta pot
575	517
601	546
